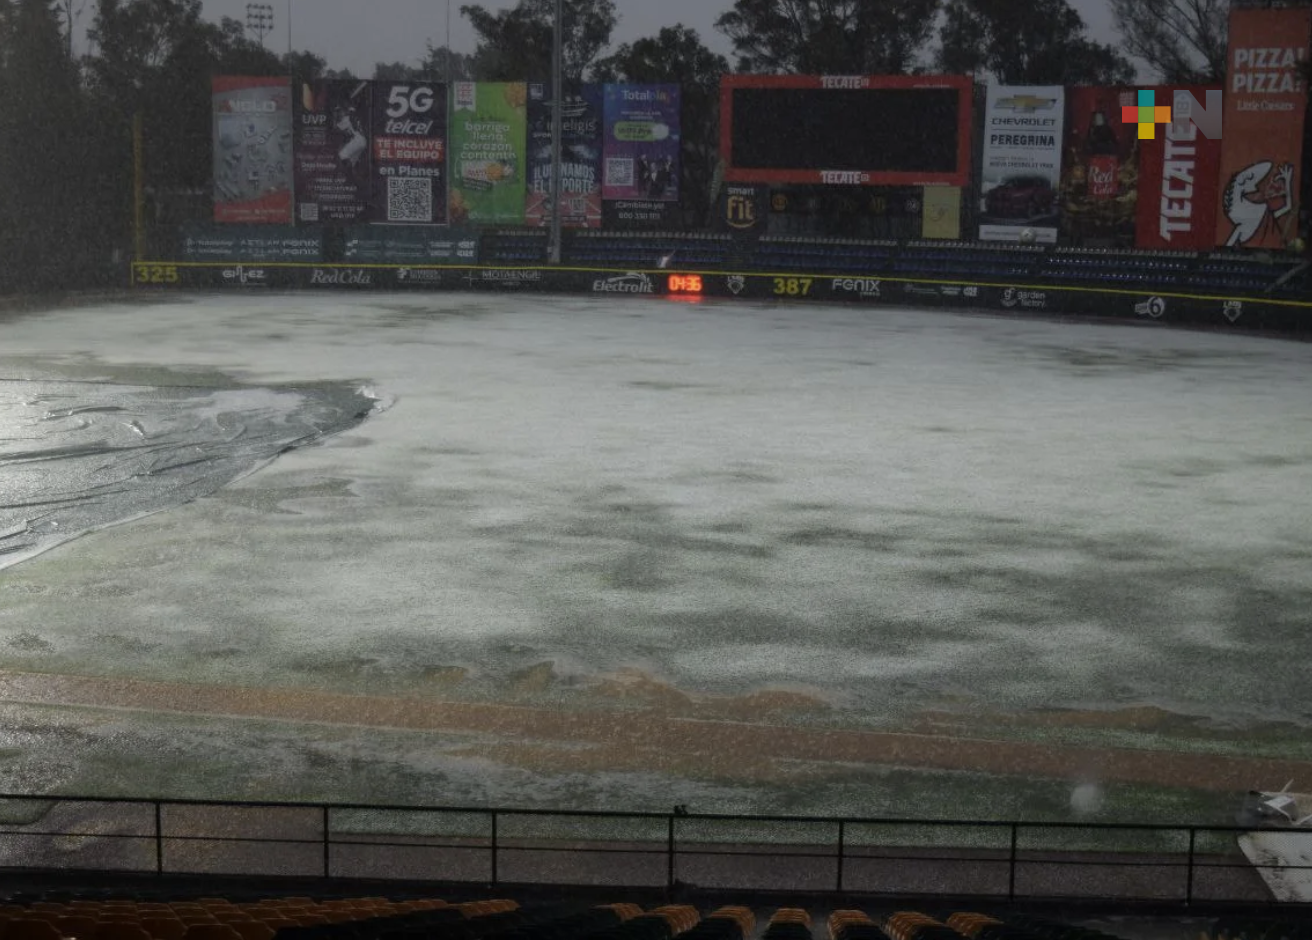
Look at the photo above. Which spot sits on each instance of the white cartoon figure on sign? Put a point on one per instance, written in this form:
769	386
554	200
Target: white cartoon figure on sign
1248	197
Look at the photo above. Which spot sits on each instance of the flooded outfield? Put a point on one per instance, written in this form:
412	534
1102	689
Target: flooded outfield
812	517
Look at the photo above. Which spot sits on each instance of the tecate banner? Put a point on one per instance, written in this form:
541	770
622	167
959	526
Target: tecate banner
333	175
1021	173
252	149
580	156
409	153
487	152
640	150
1262	145
1179	167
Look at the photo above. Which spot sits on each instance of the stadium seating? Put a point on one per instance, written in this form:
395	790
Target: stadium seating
74	915
926	260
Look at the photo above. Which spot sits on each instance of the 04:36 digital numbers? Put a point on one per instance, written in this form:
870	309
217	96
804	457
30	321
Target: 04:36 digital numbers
792	286
154	274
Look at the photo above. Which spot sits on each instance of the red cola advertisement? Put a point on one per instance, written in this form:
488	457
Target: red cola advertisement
1179	170
409	153
1100	170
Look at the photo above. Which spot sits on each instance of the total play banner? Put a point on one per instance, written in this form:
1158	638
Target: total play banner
640	148
1179	169
1021	170
487	152
252	149
580	157
409	153
1262	144
1100	169
332	121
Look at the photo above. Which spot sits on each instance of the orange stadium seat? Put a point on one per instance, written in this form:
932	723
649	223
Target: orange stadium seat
81	926
31	928
118	930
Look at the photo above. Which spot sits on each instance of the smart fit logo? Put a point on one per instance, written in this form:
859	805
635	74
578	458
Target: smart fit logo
1186	111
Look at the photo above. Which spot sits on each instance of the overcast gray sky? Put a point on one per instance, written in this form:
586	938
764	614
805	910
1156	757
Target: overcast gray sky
356	35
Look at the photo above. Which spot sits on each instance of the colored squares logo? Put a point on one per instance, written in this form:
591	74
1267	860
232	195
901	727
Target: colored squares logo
1146	115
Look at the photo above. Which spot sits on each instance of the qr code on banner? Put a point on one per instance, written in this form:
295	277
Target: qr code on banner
619	171
309	211
409	200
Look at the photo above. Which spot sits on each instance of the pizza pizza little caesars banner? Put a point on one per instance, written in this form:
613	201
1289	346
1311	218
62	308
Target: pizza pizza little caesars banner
1262	144
488	163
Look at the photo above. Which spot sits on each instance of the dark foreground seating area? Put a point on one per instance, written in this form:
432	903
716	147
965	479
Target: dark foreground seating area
63	914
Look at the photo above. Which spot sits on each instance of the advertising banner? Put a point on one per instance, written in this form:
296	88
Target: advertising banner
250	243
1021	170
1262	146
409	153
580	157
1179	169
252	149
639	214
332	122
941	217
411	244
487	152
743	208
1100	169
640	150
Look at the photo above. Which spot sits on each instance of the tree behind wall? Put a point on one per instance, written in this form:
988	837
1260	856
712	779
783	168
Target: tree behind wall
1183	41
833	37
1042	42
514	45
51	233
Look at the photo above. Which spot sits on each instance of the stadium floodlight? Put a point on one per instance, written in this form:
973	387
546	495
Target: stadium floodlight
259	19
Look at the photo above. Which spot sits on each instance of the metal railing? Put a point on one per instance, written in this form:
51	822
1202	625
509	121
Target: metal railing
1006	861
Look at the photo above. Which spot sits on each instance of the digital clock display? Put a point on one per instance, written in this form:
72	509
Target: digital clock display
685	284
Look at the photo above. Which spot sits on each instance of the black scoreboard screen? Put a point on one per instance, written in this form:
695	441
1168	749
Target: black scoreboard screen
811	129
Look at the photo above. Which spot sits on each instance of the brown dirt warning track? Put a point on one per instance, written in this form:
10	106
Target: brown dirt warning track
653	739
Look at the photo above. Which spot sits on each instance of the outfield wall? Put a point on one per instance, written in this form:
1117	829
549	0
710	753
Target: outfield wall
1239	313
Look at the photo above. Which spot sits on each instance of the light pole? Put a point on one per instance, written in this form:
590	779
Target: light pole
259	19
289	33
558	100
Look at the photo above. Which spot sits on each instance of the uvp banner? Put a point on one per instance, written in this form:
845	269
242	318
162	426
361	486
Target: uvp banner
332	151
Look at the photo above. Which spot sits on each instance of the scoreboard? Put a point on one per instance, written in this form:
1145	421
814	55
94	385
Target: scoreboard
878	130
